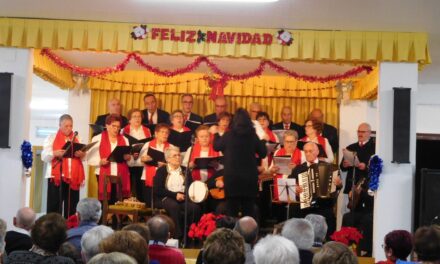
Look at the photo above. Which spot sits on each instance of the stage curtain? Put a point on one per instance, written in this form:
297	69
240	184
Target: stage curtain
366	88
308	45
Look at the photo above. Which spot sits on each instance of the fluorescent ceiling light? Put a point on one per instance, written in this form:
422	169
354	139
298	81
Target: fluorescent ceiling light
230	1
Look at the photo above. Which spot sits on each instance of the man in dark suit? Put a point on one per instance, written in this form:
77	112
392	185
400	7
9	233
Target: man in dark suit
330	132
286	124
191	120
361	212
114	107
18	238
152	114
220	106
322	206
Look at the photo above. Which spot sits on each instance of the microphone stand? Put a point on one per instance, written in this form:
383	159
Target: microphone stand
187	175
353	187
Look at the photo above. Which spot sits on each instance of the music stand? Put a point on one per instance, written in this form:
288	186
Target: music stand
286	193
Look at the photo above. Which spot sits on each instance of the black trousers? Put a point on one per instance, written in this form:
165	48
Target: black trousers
67	199
362	220
136	184
176	211
246	204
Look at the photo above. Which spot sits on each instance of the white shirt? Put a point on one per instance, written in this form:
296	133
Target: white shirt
94	158
137	133
143	152
47	155
154	117
175	181
258	129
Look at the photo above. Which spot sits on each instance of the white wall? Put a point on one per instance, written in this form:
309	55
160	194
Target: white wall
428	108
12	182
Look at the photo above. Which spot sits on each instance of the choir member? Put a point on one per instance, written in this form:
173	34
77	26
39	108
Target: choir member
239	146
287	123
254	109
137	131
169	190
190	119
328	131
114	107
63	172
152	114
177	122
160	143
263	120
99	154
313	130
220	106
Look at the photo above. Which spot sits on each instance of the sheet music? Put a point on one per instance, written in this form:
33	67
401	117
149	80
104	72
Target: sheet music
271	146
286	190
282	162
350	157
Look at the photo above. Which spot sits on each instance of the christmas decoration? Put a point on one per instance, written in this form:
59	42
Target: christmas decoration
26	157
375	169
139	32
284	37
201	37
205	226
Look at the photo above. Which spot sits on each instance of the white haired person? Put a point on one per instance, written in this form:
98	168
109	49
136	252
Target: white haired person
275	249
319	228
18	237
91	239
300	232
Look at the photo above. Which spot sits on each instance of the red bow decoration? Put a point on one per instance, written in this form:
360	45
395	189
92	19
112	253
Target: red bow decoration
217	86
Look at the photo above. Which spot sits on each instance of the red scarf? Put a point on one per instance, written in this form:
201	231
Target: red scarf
76	178
196	175
104	152
185	129
150	171
295	158
321	141
147	132
271	135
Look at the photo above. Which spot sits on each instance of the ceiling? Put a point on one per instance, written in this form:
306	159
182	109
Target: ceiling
373	15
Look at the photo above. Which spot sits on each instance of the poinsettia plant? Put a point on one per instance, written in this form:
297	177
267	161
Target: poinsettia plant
347	236
205	226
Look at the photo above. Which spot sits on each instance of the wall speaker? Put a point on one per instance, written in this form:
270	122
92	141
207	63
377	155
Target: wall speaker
5	108
429	197
401	124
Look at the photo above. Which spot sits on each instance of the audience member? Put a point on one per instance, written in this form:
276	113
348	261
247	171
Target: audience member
275	249
157	249
68	250
300	232
226	222
427	244
112	258
247	227
18	238
91	239
334	253
139	228
319	229
2	239
128	242
397	246
89	212
48	233
224	246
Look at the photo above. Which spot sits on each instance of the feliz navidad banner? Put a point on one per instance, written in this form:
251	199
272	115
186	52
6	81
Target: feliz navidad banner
140	32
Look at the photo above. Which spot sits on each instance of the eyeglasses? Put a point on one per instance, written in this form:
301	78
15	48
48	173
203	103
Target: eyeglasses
187	102
363	131
308	125
220	106
289	142
175	156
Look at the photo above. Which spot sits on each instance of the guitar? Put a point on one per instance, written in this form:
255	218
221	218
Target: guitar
353	197
218	193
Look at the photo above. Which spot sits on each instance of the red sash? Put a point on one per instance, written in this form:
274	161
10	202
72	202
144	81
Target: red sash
196	175
321	141
295	158
147	132
122	168
150	171
271	135
76	176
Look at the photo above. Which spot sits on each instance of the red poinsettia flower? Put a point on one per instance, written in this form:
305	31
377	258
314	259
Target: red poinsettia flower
205	226
72	221
347	236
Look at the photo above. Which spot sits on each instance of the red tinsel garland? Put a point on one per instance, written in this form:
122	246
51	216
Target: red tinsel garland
224	76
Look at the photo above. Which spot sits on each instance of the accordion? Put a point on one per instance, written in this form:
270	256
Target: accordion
317	183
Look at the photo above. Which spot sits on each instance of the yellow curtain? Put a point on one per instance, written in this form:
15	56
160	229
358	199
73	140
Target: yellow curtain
308	45
366	88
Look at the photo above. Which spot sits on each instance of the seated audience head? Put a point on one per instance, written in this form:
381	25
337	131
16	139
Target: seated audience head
313	128
66	124
91	239
286	114
263	119
2	236
161	132
114	106
159	229
335	253
112	258
247	227
311	151
220	105
319	226
316	114
135	117
203	136
89	210
139	228
364	132
176	119
49	232
226	222
187	101
171	225
290	140
127	242
398	245
427	244
68	250
254	109
25	218
150	102
241	123
300	232
224	246
275	249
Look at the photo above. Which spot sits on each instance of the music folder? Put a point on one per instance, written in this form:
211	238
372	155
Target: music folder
118	153
180	139
97	129
280	135
191	124
271	146
69	153
156	155
137	144
210	123
283	162
206	162
350	157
